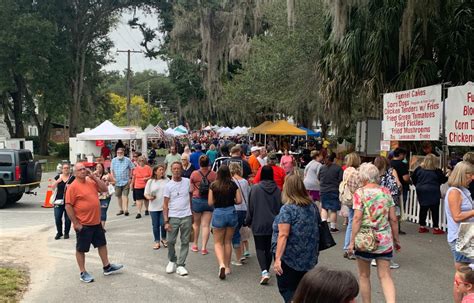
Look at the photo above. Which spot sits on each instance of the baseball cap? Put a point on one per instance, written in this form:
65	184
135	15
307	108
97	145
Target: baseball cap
272	156
254	148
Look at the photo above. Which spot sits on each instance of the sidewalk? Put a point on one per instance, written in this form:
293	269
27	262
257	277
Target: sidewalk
27	231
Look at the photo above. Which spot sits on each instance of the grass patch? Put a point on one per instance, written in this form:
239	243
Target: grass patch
51	162
13	283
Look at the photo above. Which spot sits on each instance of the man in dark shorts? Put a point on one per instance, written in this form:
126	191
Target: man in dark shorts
83	208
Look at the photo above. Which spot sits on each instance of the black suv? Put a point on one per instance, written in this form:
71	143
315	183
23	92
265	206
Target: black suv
19	174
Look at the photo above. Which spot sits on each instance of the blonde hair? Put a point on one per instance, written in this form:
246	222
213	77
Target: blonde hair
469	157
458	176
431	162
353	160
294	191
142	158
235	169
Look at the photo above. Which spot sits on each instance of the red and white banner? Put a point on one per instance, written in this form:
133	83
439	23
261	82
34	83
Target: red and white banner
460	115
412	115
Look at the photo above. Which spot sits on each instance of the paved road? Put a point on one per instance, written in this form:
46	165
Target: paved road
425	274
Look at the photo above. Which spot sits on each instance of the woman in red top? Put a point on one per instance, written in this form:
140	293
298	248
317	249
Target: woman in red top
141	174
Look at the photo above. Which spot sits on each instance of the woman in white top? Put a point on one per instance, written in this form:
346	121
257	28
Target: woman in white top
154	192
311	171
241	209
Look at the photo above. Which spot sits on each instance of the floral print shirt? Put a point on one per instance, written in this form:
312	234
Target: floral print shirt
302	246
375	204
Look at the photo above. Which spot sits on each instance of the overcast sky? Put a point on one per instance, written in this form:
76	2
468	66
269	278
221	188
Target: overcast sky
125	37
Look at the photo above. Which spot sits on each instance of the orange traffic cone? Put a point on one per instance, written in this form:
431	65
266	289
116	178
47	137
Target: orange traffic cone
49	193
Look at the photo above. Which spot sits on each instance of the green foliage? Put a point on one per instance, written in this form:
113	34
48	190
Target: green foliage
142	113
389	46
63	150
278	79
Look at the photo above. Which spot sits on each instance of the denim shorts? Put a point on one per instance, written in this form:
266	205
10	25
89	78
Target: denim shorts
458	257
200	205
330	201
366	256
236	239
224	217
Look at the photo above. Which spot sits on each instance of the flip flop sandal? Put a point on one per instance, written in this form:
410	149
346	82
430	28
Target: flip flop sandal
156	246
165	244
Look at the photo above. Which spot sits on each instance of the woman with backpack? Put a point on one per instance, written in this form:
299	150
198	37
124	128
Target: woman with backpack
201	180
427	179
223	195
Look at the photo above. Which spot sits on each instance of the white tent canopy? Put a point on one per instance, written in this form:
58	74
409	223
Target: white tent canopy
106	131
151	132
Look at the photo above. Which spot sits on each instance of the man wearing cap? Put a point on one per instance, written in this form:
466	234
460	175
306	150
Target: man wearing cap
253	161
236	157
194	158
278	172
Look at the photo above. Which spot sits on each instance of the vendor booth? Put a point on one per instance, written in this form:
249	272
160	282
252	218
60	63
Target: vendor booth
89	143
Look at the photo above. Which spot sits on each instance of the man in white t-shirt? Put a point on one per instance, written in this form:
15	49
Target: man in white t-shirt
178	218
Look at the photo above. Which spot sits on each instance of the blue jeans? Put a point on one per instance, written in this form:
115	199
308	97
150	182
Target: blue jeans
240	221
347	239
104	206
157	224
59	211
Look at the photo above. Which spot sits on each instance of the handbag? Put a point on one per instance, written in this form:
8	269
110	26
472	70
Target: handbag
52	199
366	240
111	189
325	237
465	240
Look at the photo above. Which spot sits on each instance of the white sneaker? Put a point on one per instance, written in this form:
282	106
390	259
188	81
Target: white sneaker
170	268
394	265
181	271
373	263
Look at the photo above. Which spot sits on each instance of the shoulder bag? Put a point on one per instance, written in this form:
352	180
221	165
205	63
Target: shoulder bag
345	195
325	237
366	239
465	240
60	201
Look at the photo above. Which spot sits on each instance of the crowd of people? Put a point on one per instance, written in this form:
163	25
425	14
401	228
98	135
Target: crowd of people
235	195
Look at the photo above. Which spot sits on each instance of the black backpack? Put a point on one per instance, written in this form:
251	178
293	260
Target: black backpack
204	185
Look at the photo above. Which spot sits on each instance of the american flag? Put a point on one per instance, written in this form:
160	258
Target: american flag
160	131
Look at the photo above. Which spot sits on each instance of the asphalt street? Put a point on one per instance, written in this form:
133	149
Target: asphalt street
27	238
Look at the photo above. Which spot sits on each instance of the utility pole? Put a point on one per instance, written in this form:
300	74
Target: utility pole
128	51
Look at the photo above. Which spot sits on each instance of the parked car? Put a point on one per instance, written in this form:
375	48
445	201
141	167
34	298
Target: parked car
19	174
